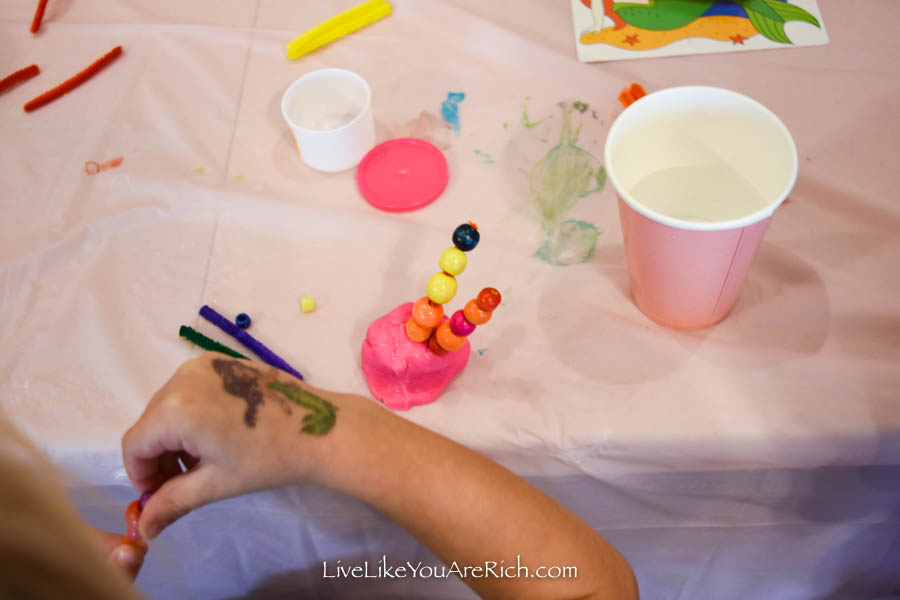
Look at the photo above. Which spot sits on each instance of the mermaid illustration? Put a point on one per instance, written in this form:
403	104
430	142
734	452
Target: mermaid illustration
655	23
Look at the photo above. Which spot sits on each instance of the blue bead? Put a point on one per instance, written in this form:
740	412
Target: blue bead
466	237
242	321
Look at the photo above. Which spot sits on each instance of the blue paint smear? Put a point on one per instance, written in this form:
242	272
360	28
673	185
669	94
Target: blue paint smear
727	8
450	109
488	159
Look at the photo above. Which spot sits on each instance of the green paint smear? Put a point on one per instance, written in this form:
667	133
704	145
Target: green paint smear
323	415
572	243
239	178
526	121
558	182
198	170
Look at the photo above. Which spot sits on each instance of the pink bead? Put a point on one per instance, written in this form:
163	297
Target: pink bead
459	325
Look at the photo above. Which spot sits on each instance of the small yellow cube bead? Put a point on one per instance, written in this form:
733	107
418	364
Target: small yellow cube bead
307	304
453	261
441	288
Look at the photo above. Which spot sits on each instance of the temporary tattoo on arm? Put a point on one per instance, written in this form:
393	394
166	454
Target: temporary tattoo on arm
323	415
244	381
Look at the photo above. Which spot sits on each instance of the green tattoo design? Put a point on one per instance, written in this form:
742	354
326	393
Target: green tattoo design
323	415
245	382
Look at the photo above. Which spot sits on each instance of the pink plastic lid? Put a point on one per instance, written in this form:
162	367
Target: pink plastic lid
402	175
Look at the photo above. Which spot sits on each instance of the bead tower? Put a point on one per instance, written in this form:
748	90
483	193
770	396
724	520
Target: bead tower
411	354
427	322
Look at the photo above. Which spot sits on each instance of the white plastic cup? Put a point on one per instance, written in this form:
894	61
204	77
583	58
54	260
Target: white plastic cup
699	171
329	112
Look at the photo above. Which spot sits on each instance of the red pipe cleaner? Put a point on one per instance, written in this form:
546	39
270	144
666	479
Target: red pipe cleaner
18	77
38	16
70	84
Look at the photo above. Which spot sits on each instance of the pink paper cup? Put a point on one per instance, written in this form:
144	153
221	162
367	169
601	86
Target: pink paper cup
699	171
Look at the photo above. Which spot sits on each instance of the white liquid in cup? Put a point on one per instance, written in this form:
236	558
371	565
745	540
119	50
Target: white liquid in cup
714	165
326	102
699	172
703	193
329	111
332	121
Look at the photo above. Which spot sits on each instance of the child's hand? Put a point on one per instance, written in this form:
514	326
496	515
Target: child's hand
236	426
128	558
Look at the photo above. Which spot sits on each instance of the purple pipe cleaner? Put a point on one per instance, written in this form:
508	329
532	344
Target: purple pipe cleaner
249	342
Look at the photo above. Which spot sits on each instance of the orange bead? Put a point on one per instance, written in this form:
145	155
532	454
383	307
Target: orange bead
416	332
434	347
133	514
475	315
488	299
426	313
448	340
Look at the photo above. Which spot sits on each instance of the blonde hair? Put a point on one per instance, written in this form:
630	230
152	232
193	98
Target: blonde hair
45	550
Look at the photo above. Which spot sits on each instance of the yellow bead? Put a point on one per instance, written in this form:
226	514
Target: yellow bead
453	261
441	288
307	304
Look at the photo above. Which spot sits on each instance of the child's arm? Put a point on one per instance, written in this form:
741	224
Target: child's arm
464	507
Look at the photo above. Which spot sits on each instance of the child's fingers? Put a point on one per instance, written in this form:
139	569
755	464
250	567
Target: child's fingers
177	497
150	450
127	558
104	541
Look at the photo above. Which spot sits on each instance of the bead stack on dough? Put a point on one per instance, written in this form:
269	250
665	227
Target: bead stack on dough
412	353
428	311
451	335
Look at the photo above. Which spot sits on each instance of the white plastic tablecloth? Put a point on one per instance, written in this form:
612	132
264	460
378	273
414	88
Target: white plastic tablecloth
756	459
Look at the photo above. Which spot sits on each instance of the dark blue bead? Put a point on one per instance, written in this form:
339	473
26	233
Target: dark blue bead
466	237
242	321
